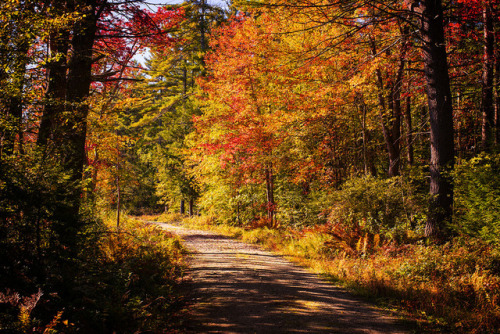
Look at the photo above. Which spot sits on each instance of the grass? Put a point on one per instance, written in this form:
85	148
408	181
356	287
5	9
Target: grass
448	288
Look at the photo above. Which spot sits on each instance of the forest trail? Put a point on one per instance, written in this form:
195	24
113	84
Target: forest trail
239	288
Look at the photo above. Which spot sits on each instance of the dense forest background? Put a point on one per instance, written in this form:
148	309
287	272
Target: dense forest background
374	123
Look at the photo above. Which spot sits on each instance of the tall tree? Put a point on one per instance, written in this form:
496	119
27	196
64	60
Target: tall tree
430	14
431	27
20	24
487	105
168	103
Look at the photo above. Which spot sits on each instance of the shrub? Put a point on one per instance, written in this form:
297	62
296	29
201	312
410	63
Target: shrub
122	282
299	205
477	197
234	207
385	207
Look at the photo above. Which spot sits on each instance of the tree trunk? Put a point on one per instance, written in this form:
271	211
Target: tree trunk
409	131
391	129
191	207
55	94
79	80
118	199
74	128
118	188
183	207
488	117
202	25
395	138
497	92
270	195
441	116
365	137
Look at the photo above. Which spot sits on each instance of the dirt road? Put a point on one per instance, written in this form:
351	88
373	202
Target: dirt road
240	288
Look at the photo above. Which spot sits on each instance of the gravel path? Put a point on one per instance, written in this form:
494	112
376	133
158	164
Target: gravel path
240	288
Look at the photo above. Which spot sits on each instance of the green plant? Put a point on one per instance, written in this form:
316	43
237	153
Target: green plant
377	206
477	197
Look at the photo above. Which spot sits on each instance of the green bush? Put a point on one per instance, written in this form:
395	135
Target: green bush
298	205
38	238
377	206
234	207
477	197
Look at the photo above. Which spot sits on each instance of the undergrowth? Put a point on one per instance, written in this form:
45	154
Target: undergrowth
450	288
125	283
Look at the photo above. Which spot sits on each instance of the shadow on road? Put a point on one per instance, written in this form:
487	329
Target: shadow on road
239	288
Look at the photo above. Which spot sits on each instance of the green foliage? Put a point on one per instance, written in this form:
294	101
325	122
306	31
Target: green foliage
235	207
477	197
162	118
378	206
300	205
36	230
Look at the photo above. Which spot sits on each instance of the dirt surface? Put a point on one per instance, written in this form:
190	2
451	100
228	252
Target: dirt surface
240	288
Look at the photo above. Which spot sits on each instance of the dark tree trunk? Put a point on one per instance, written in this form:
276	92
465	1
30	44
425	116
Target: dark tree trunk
202	26
487	108
497	96
497	91
270	195
191	207
118	199
368	159
183	207
365	137
55	95
441	116
409	131
391	128
395	137
79	80
73	130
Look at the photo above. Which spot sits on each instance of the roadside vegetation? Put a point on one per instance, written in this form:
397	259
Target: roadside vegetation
123	281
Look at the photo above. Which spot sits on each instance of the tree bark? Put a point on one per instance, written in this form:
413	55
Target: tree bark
409	131
55	94
441	116
488	117
183	207
365	137
395	161
118	198
73	130
497	91
79	80
391	129
191	207
270	195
